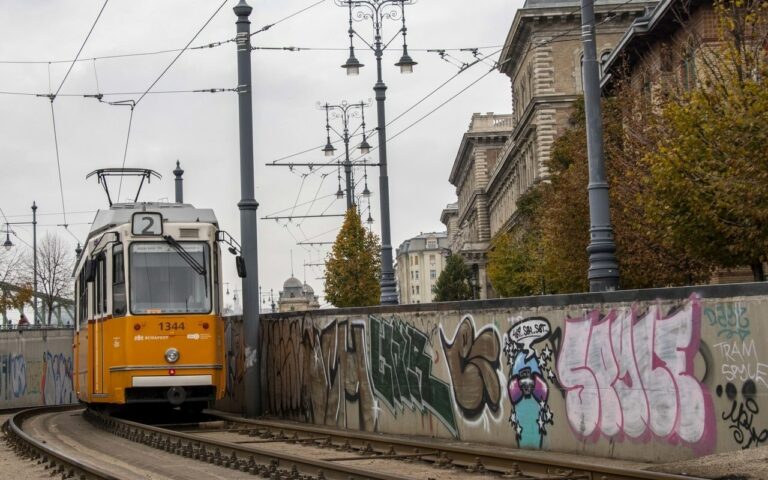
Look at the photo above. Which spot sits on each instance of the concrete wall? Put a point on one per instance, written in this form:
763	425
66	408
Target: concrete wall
653	375
36	368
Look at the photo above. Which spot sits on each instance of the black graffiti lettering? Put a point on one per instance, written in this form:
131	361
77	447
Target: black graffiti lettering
742	416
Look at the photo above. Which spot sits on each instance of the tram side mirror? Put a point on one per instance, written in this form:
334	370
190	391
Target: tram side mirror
240	265
89	271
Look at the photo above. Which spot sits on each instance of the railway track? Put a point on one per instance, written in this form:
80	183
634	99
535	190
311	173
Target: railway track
446	456
34	449
288	451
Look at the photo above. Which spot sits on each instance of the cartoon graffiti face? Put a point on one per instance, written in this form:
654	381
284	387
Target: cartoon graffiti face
526	382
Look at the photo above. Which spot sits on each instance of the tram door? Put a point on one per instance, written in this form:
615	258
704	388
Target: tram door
98	357
99	308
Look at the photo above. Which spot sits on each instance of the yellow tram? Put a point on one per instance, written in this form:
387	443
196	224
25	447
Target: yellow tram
149	300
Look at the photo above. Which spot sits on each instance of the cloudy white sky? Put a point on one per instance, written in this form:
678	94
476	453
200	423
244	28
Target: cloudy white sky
201	129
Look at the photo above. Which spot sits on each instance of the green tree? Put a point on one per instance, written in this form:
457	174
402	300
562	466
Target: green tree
709	175
454	281
353	267
646	256
512	256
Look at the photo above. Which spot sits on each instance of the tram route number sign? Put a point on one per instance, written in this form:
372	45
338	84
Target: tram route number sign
147	224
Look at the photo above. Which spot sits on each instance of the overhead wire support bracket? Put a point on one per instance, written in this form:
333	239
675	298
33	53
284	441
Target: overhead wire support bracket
312	165
329	215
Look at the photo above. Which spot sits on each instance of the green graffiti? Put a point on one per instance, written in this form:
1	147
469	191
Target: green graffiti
730	319
401	372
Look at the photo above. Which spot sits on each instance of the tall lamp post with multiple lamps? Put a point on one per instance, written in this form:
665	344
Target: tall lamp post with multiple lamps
377	11
346	111
9	245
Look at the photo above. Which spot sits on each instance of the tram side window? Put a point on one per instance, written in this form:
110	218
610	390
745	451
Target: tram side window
83	299
119	306
103	275
99	287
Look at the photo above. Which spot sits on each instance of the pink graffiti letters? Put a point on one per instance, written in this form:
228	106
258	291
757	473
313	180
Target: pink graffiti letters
632	375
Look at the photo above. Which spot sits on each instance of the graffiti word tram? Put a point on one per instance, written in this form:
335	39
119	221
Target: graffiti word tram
148	326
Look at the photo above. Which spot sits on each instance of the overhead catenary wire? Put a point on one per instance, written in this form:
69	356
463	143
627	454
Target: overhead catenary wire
125	151
199	31
156	52
52	97
267	27
107	94
58	162
81	48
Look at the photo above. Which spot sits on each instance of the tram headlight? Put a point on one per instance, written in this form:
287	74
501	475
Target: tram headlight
171	355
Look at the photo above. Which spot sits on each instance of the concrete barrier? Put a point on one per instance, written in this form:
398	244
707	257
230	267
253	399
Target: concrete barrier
36	367
655	375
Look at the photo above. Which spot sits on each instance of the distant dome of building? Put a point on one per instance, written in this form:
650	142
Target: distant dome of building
297	296
292	282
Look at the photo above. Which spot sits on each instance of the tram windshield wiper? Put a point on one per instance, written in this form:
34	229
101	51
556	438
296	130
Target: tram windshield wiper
192	261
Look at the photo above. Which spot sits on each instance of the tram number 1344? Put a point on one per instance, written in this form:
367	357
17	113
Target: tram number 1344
168	326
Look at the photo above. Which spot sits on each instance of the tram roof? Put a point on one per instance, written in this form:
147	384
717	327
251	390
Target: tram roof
121	213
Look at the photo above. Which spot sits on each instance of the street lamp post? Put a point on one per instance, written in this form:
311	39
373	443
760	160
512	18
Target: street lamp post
8	245
377	11
248	217
603	271
346	112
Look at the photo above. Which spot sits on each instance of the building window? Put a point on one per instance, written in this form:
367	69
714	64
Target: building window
417	289
411	274
415	260
431	243
433	274
688	67
417	274
432	259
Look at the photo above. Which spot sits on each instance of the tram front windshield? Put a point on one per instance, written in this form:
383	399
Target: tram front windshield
161	281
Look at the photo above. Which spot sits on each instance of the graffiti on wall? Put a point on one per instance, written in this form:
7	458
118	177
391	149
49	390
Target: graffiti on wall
318	374
632	375
729	319
341	391
235	358
401	371
527	385
13	377
56	384
741	362
473	365
47	381
742	413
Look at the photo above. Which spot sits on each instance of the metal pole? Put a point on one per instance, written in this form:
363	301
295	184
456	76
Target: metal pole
178	172
347	163
387	282
603	266
248	218
34	260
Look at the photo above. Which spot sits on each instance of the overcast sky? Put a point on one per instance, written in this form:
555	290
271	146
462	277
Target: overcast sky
201	129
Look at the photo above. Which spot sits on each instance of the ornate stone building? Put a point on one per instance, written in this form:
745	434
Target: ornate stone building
468	225
297	296
502	156
420	261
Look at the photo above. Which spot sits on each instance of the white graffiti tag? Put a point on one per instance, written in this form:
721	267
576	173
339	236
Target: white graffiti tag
633	376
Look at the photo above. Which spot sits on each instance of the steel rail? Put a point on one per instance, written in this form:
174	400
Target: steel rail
254	460
474	458
58	462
